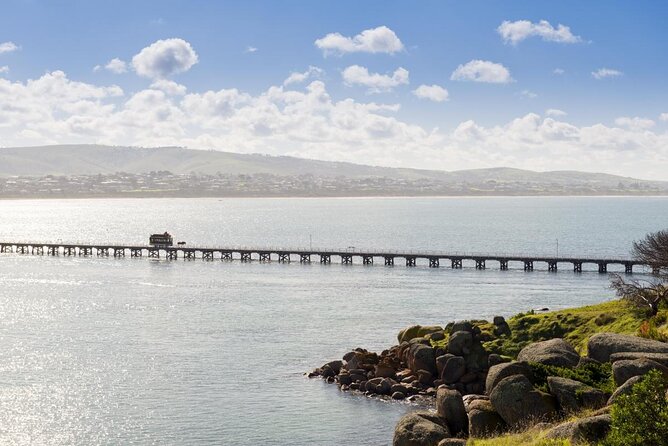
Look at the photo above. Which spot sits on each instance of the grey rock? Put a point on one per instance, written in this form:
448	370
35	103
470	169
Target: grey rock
452	442
422	357
661	358
440	362
501	371
624	369
602	345
624	389
450	407
461	326
420	429
484	421
573	396
495	359
582	431
460	343
555	352
398	396
335	366
453	370
519	404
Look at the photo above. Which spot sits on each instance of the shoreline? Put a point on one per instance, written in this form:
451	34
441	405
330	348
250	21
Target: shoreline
318	197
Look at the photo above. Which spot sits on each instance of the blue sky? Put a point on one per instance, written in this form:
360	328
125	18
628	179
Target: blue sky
221	95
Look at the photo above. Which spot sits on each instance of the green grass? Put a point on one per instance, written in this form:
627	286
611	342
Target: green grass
575	325
531	437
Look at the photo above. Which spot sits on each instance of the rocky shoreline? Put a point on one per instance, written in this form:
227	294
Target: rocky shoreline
479	393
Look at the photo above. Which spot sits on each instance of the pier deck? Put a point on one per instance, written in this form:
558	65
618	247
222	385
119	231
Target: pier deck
433	259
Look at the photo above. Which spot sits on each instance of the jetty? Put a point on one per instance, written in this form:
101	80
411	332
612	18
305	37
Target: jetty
410	258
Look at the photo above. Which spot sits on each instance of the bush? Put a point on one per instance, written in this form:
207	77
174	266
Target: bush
595	375
640	418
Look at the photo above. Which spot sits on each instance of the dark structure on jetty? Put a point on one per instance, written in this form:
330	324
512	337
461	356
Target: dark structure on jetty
433	259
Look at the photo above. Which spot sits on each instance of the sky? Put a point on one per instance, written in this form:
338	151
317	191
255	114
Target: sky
447	85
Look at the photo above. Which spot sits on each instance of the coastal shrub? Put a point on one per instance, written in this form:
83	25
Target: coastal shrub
648	329
640	418
594	375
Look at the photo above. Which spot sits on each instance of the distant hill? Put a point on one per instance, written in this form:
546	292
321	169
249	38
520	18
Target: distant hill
97	159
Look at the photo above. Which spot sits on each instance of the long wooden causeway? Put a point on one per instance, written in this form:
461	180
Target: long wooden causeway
411	258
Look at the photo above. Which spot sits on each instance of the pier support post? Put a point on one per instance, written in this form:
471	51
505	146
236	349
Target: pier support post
552	267
153	253
628	268
325	259
346	259
389	261
120	252
284	258
480	264
602	267
21	249
102	252
134	252
265	257
411	261
189	254
367	260
52	250
304	258
38	250
69	250
5	248
246	257
226	256
528	265
85	251
207	255
172	254
456	263
434	262
577	267
503	265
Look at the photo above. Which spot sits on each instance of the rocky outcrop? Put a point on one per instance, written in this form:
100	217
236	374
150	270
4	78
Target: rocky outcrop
602	345
589	430
574	396
625	369
624	389
504	370
416	331
450	407
555	352
420	429
519	404
661	358
484	421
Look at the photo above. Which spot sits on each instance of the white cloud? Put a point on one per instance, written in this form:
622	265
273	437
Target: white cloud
375	40
297	77
482	71
555	112
635	123
8	47
115	65
434	93
309	123
515	32
558	71
528	94
603	73
251	49
169	87
4	69
164	58
376	83
663	117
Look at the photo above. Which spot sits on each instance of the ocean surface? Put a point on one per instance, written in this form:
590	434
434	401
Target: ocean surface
137	351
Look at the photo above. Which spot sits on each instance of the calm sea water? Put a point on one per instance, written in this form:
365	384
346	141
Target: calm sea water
105	351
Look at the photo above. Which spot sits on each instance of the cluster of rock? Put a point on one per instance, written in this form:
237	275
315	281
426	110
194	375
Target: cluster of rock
415	367
511	402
